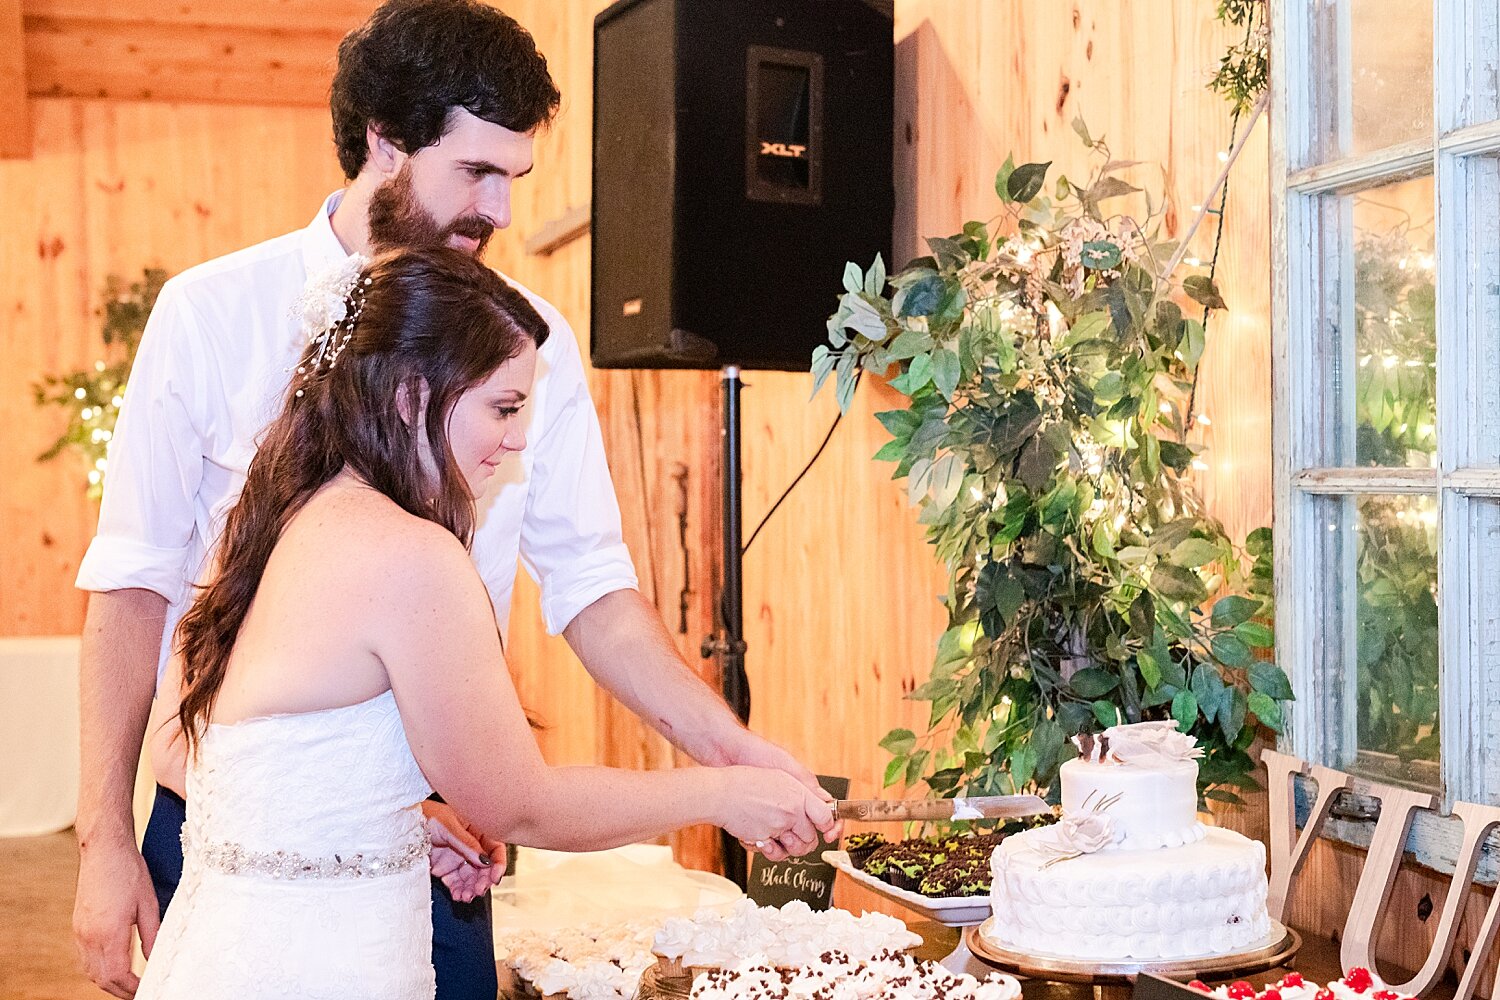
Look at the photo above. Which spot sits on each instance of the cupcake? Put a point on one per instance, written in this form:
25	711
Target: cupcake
939	884
861	845
879	862
907	873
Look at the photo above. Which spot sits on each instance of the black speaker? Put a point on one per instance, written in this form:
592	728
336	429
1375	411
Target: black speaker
742	154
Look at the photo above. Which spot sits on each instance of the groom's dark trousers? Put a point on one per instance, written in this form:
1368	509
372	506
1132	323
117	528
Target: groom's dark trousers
463	944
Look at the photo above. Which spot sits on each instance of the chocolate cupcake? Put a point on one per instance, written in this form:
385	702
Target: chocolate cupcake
907	873
879	862
975	886
861	846
939	884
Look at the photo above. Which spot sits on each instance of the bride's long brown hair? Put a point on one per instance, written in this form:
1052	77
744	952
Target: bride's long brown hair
433	320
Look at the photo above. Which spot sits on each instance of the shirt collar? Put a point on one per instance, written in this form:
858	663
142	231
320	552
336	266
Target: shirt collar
320	246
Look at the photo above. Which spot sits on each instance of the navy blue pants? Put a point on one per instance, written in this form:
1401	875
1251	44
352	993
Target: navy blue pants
463	944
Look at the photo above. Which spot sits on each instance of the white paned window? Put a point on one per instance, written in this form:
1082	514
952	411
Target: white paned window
1385	175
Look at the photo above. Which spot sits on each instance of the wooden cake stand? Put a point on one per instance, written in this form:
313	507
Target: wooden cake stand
1278	949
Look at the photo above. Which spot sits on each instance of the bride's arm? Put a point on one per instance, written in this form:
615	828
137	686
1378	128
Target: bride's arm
164	733
435	633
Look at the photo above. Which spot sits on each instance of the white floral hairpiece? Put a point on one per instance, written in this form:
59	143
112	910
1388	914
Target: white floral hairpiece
329	306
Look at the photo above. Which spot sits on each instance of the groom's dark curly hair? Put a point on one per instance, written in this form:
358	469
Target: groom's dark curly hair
414	61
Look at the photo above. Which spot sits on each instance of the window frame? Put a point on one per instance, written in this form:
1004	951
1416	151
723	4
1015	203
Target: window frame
1464	162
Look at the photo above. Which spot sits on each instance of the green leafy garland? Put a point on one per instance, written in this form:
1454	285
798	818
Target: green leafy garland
92	396
1244	70
1048	370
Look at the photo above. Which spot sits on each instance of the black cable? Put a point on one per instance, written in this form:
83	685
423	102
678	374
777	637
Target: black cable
788	491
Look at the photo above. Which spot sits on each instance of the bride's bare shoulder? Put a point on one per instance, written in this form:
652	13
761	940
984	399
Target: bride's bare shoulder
366	529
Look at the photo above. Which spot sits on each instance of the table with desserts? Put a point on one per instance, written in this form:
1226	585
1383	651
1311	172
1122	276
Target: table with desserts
1125	879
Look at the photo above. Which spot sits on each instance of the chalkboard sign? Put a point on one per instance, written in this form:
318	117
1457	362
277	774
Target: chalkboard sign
1149	987
808	878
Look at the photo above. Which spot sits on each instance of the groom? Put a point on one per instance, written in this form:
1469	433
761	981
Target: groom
435	104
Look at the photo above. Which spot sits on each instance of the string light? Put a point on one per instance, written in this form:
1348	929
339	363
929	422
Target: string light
79	393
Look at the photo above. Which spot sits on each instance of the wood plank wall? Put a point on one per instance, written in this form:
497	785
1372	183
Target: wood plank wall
130	167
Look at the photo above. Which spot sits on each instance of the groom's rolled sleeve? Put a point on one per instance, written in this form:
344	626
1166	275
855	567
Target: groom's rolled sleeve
155	463
571	540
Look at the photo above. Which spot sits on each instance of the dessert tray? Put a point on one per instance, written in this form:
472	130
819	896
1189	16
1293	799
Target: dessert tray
1275	950
954	911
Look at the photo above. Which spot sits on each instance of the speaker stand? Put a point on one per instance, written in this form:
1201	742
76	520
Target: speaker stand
728	642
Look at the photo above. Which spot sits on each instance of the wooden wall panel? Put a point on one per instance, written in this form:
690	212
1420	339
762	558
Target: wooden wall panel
112	188
15	115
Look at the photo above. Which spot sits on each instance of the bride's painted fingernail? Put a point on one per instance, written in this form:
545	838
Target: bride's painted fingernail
484	859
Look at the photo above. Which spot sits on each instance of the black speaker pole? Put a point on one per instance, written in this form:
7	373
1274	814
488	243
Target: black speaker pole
729	642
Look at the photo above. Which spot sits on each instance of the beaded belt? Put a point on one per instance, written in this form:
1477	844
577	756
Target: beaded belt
234	859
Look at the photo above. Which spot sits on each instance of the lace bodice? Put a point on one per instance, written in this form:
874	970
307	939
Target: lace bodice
339	781
305	869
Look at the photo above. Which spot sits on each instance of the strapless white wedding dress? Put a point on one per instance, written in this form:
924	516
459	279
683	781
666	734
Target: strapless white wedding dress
305	869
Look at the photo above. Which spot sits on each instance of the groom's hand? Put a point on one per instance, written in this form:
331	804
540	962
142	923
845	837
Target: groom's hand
744	747
114	895
464	859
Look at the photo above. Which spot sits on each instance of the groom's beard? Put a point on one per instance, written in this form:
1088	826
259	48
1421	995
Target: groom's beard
397	219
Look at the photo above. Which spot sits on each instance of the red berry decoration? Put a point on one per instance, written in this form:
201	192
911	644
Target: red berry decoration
1270	994
1324	995
1200	985
1293	979
1387	995
1359	980
1241	990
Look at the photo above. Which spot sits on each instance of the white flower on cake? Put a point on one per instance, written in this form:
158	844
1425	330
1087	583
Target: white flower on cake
1086	833
1151	743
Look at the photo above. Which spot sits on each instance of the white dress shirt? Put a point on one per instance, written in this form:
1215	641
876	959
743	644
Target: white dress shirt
212	370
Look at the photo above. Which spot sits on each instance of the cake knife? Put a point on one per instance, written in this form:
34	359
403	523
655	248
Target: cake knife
901	810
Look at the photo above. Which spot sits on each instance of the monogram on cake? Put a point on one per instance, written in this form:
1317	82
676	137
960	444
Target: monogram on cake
1128	873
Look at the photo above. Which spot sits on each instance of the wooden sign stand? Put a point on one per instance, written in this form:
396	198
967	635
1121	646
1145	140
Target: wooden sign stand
1398	807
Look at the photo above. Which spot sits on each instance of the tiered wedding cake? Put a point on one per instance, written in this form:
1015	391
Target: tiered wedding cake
1129	872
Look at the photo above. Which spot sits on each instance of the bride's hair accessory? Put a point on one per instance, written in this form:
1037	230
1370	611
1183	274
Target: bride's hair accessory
329	307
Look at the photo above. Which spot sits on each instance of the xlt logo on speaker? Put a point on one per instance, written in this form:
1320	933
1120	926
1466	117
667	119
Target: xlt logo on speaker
783	149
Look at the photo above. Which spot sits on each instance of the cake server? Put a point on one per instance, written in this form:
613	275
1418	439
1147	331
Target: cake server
901	810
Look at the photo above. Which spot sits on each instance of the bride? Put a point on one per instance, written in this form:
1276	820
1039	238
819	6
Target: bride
345	661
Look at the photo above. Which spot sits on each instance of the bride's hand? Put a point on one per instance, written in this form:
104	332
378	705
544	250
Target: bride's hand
772	810
464	859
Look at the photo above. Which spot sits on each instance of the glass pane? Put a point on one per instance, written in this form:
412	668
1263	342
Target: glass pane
1395	326
1395	637
1376	74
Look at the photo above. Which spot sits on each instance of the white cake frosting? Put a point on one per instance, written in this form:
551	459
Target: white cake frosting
590	962
794	935
1129	872
1156	806
1357	984
888	976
